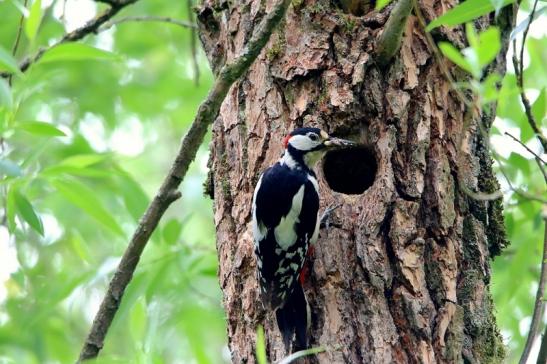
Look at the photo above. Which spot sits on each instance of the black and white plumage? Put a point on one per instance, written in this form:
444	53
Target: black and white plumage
285	224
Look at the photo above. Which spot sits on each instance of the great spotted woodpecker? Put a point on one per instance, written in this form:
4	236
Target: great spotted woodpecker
285	225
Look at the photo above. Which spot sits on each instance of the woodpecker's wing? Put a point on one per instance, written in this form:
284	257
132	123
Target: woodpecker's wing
285	209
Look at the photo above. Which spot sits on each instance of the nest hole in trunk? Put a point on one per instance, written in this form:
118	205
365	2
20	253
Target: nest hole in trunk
350	171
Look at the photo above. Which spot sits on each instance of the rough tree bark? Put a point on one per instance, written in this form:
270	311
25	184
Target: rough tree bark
402	273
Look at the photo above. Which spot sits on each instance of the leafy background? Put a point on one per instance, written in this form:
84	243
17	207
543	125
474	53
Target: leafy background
86	138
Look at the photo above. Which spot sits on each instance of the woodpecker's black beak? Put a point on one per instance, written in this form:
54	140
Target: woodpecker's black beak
337	143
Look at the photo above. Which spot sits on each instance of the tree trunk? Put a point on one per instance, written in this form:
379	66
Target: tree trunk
401	274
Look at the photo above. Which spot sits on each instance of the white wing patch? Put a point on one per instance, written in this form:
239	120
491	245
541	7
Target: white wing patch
259	229
315	234
313	181
285	235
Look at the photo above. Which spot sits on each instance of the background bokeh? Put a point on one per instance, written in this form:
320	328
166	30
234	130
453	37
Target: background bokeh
115	122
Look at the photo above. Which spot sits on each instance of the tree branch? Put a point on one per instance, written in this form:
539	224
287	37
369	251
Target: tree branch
518	66
539	305
207	113
390	39
17	38
148	18
91	26
19	31
525	147
542	356
193	48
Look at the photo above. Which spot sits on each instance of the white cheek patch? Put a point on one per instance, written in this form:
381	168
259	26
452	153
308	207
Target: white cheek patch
285	235
301	142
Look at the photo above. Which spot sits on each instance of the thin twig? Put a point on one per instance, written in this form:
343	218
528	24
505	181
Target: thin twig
542	356
148	18
62	18
193	48
539	305
525	34
525	147
168	192
524	194
17	38
91	26
481	196
19	31
109	2
518	67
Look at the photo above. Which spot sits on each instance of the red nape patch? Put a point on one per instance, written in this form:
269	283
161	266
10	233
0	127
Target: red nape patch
286	141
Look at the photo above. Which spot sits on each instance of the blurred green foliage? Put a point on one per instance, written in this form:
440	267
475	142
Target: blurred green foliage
515	273
88	133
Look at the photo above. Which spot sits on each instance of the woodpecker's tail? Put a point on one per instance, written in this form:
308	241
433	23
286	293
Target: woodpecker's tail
293	319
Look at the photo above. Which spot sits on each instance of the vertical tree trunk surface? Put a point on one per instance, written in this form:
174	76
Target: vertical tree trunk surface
401	275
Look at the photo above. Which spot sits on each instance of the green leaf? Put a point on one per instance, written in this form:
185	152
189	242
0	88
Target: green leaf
7	62
10	207
26	211
137	321
489	45
33	21
83	160
471	35
6	98
539	111
453	54
76	52
464	12
60	169
519	163
380	4
9	168
171	231
40	128
19	6
302	353
134	197
261	357
490	87
86	199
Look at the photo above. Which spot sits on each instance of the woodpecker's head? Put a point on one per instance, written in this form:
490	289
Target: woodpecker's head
308	145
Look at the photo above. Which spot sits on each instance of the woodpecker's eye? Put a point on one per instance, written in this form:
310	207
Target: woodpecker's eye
314	137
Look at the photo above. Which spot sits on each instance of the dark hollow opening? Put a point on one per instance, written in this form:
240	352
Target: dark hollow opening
350	171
